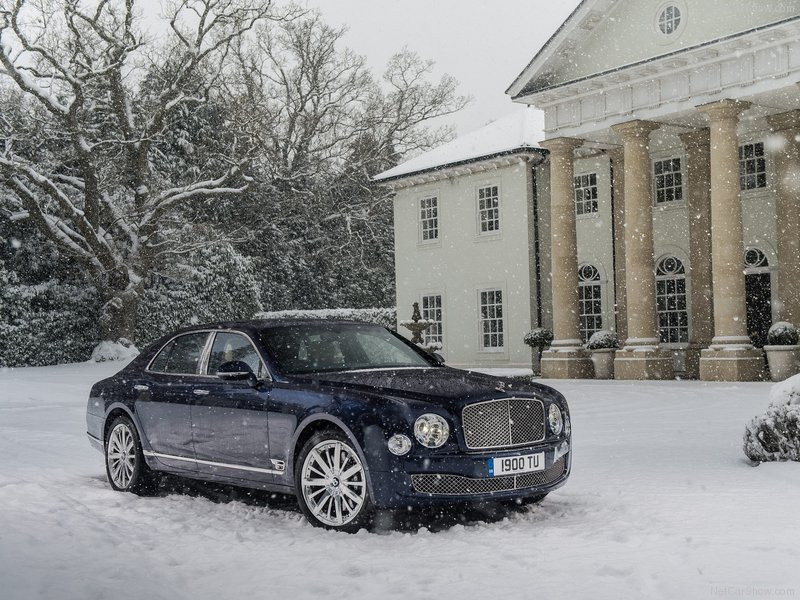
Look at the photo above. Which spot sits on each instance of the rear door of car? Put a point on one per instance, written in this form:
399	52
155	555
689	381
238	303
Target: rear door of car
164	400
230	418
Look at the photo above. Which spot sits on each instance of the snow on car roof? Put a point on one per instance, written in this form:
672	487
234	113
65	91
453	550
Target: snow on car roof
521	130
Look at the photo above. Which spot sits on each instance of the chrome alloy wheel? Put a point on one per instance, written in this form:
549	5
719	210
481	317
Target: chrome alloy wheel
334	485
121	456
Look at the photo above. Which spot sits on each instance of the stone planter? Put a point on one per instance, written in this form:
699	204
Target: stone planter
784	361
603	363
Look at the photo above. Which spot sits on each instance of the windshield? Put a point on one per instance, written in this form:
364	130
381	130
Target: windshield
301	349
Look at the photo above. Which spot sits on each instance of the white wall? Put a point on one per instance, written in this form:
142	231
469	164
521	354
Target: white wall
462	262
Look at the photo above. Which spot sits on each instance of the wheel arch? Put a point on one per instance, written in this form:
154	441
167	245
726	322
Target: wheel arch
118	409
320	422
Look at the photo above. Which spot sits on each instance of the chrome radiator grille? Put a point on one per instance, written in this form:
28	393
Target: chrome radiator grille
455	485
503	423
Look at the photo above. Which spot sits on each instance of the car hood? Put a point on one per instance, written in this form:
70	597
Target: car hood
439	385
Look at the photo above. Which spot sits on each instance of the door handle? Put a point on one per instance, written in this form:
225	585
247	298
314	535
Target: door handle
141	388
200	392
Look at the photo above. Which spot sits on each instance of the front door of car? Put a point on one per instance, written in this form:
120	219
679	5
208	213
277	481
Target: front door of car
230	419
164	400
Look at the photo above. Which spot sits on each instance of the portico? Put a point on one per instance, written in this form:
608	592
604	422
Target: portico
701	139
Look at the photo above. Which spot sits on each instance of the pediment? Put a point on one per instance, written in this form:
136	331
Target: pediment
603	36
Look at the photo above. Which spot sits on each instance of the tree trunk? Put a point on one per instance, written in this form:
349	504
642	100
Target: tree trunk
122	295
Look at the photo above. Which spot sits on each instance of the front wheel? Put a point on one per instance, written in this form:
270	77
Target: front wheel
331	483
125	465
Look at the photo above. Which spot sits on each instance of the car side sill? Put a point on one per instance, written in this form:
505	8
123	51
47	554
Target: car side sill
150	453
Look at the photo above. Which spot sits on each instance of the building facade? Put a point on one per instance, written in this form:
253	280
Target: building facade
668	205
464	242
692	109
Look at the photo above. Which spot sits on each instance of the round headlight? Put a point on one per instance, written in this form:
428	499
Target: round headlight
555	419
431	431
399	444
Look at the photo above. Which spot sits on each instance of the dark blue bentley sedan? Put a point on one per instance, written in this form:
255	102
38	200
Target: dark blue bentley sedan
349	417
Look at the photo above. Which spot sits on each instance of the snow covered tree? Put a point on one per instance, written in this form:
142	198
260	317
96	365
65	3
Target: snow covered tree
213	284
325	125
83	156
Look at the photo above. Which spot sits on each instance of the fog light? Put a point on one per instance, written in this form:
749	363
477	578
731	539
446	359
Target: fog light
555	419
399	444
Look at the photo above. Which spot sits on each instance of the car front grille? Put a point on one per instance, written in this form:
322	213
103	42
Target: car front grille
503	423
456	485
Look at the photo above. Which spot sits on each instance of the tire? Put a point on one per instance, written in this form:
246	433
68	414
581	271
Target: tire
126	468
326	498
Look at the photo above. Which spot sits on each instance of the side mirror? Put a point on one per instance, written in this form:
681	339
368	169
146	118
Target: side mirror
438	358
237	370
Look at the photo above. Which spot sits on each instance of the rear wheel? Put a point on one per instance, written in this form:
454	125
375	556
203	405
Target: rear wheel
331	483
125	465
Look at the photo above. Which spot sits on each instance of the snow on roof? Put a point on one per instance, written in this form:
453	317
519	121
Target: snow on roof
520	130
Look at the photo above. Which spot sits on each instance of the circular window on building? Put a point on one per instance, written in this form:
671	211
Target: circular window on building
670	20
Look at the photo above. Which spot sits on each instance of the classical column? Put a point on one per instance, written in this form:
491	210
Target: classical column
698	203
787	212
566	359
731	356
620	294
641	358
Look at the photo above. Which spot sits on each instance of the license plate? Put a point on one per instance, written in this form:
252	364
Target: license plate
514	465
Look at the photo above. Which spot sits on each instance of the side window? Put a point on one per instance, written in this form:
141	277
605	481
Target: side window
184	356
232	346
159	364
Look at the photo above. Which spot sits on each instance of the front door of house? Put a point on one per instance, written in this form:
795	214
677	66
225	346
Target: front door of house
759	307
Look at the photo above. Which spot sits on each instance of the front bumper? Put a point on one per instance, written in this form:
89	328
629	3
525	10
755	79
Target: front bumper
424	481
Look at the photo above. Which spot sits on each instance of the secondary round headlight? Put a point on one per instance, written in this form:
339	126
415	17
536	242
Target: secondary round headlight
399	444
431	431
555	419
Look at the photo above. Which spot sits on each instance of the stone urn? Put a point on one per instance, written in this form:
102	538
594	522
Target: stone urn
603	360
603	345
784	361
783	351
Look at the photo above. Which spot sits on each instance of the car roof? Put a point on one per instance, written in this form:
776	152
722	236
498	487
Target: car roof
260	324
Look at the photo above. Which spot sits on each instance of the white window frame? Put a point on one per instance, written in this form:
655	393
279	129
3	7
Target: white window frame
679	189
596	284
421	220
578	185
501	333
662	308
743	161
438	336
480	211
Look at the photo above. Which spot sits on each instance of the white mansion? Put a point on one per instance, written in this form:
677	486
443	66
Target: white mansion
666	205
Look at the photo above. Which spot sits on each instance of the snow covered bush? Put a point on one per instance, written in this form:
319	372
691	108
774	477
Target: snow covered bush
783	334
775	436
603	340
215	283
540	338
45	324
380	316
108	351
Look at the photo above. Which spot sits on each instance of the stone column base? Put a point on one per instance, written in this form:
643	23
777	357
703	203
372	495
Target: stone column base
693	361
567	364
744	364
643	364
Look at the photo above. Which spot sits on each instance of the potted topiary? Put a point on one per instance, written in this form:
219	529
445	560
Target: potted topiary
783	351
604	346
539	339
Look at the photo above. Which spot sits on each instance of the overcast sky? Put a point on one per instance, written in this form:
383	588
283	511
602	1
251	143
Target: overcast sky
484	44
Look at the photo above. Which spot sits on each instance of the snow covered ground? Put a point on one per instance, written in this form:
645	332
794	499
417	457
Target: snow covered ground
661	504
